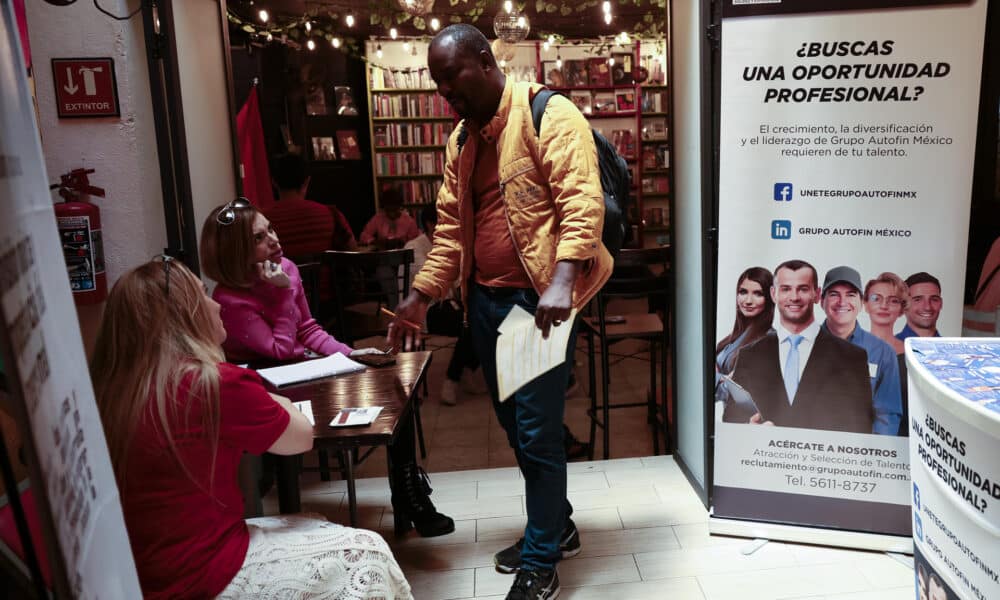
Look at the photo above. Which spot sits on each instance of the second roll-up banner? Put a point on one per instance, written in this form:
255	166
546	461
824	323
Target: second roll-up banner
846	153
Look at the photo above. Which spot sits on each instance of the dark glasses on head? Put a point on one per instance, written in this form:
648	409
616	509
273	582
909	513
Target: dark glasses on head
227	214
166	259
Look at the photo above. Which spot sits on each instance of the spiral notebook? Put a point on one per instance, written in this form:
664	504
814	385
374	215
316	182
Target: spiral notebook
308	370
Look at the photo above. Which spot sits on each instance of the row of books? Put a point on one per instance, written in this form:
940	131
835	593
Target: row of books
656	217
409	163
411	134
656	157
596	71
624	142
410	105
410	78
654	128
656	184
419	191
654	100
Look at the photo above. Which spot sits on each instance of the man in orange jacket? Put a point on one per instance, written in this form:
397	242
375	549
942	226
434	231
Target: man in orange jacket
519	224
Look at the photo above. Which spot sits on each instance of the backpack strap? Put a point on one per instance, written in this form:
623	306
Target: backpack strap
538	107
462	136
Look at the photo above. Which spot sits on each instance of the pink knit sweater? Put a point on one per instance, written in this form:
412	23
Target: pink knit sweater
268	322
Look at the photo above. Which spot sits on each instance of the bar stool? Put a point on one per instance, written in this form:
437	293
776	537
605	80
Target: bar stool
639	273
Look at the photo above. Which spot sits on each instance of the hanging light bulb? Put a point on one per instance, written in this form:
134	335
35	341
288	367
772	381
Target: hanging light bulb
606	7
625	38
558	61
263	16
503	64
270	37
378	51
435	24
335	42
309	26
611	61
607	18
393	33
551	40
406	46
349	19
311	44
545	46
508	6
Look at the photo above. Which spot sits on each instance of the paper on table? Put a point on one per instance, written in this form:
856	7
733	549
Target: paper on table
522	353
307	370
363	415
306	408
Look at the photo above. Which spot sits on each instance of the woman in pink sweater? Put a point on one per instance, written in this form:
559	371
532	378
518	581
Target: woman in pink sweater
266	316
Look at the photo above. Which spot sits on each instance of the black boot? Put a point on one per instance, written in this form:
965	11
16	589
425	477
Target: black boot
412	506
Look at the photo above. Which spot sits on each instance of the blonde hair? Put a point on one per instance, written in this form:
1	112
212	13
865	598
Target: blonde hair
158	331
898	285
227	250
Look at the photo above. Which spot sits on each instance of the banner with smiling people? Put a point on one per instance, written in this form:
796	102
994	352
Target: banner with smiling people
847	138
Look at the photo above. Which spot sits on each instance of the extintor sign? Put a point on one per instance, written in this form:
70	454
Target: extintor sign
85	87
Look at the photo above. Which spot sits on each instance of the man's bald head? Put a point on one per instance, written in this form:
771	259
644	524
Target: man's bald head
466	39
466	73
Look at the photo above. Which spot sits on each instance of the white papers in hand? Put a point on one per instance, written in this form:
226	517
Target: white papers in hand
307	370
522	353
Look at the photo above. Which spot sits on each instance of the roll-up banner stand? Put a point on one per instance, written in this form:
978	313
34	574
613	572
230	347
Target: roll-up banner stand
45	367
847	138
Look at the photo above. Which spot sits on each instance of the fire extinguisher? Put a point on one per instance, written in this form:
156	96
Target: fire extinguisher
79	224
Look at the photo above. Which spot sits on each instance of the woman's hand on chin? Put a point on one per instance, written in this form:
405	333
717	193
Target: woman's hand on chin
272	273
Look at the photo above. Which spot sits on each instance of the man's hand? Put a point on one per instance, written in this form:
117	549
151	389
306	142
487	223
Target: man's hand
757	419
402	335
556	303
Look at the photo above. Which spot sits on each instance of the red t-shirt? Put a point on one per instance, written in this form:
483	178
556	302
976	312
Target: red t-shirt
189	542
497	262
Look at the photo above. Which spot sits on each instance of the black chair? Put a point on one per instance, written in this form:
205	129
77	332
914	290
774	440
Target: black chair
639	273
363	283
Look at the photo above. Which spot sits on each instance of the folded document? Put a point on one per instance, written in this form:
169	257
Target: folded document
307	370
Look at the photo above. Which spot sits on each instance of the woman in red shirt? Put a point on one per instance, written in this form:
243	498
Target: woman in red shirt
177	420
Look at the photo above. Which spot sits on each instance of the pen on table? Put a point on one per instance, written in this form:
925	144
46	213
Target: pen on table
409	324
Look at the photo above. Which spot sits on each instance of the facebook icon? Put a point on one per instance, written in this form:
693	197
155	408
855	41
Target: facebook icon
781	229
783	192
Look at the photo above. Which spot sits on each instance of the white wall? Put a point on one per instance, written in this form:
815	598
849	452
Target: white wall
121	149
200	58
688	32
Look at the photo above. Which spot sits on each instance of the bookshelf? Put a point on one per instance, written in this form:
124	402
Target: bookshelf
627	100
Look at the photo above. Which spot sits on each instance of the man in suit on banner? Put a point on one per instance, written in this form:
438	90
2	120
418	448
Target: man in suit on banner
802	375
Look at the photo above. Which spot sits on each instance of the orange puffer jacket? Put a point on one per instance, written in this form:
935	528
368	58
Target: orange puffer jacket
551	191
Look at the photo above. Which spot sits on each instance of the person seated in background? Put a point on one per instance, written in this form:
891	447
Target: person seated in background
266	316
391	227
177	419
306	227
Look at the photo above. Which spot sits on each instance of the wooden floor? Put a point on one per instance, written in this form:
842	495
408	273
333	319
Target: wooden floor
643	530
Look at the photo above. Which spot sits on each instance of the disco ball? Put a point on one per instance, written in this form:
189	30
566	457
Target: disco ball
511	27
417	8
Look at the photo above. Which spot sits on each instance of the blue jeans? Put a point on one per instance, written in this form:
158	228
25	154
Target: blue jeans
533	421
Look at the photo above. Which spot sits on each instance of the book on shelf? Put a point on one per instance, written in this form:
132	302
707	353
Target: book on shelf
418	191
405	78
308	370
347	143
604	103
322	147
621	71
656	184
430	162
410	105
656	157
350	417
582	100
575	73
654	128
552	74
411	134
625	100
654	101
624	142
599	72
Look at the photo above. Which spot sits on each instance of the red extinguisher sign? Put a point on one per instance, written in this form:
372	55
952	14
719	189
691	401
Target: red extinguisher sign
79	224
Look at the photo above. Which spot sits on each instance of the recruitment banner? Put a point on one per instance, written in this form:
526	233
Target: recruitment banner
45	365
846	154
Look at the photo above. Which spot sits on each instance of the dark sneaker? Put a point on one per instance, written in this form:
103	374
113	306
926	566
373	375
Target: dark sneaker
508	560
542	584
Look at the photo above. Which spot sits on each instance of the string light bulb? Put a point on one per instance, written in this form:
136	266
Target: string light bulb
503	64
311	44
270	37
551	40
607	18
611	61
263	16
508	6
435	24
606	7
378	50
335	42
309	27
349	19
393	33
406	46
624	37
558	61
545	46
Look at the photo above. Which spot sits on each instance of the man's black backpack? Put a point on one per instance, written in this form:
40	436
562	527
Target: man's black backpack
616	181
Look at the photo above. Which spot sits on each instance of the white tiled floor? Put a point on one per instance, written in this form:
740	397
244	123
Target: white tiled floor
644	534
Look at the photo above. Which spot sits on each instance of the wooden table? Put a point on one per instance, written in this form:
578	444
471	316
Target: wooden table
393	387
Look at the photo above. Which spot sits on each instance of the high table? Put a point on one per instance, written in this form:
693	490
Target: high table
392	387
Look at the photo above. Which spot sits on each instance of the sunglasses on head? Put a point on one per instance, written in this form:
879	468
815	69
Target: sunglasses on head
227	215
166	259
